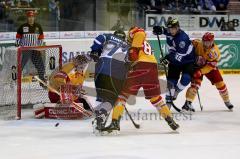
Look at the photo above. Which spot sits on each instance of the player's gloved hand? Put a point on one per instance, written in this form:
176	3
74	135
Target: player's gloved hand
158	30
94	55
200	61
197	74
164	61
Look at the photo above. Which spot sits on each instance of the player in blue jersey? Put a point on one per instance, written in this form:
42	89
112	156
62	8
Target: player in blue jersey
180	58
109	51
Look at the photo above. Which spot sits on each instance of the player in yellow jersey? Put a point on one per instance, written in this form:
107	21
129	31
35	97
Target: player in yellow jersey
208	55
143	73
68	81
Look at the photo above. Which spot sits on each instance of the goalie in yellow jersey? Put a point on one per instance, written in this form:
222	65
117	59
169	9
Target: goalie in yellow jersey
208	55
68	81
143	74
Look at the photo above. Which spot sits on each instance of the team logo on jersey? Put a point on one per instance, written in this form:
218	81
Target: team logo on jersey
26	29
182	44
212	55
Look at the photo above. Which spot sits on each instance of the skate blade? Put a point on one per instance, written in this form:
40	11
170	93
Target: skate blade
230	110
112	133
97	133
175	131
187	112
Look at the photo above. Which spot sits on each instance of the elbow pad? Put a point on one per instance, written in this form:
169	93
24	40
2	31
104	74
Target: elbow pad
133	54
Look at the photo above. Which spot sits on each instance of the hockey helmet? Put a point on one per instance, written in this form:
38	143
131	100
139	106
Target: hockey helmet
208	36
120	33
131	33
173	23
208	39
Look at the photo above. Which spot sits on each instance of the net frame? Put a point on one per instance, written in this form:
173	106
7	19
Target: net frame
20	51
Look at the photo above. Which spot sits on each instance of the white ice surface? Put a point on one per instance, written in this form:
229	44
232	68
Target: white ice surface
211	134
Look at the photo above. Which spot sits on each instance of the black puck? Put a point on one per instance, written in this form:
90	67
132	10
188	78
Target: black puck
56	125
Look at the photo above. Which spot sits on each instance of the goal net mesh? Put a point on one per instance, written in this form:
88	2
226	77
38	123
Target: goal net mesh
18	88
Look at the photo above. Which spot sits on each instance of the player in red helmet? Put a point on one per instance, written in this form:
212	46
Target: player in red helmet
208	55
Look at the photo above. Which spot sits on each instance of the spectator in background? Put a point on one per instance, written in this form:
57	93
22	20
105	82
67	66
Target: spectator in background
231	26
207	5
144	4
191	6
172	5
2	9
156	5
10	3
23	3
227	26
153	5
221	4
118	26
54	10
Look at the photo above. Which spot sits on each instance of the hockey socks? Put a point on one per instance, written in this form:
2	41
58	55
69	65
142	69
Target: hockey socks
164	111
222	88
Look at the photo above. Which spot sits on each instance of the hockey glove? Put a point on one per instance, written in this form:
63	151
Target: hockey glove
158	30
200	61
197	74
95	55
164	61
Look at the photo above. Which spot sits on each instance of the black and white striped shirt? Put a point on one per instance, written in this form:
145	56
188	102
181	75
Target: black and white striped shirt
29	35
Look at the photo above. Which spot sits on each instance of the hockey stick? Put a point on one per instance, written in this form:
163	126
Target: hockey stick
165	70
137	126
199	100
75	105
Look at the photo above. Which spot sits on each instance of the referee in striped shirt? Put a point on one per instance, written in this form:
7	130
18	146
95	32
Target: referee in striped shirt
31	34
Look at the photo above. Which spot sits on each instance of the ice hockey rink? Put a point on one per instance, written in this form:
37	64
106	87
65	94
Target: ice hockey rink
213	133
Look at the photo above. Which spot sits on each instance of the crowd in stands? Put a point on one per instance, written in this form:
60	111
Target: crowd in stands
50	11
12	12
184	6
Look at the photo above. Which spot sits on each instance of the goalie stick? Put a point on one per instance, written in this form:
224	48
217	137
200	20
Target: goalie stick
75	105
165	70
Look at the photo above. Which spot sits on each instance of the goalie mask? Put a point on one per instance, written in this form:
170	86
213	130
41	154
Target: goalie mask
80	62
207	40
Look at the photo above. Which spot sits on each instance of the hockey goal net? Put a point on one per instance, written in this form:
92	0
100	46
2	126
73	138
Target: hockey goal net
18	88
